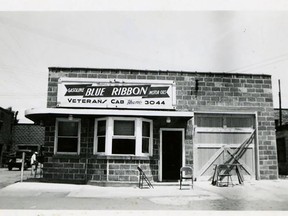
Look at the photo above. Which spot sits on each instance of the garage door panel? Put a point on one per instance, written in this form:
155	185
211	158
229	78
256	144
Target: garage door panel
207	158
218	136
204	155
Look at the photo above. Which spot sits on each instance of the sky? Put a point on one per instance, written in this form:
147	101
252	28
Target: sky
205	40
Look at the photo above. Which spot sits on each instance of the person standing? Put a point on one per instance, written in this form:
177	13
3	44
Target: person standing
34	164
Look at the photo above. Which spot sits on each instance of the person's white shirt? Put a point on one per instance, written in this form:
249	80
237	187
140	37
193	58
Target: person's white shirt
33	158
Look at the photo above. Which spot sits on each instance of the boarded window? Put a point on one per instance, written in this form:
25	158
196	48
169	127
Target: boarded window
239	122
222	121
210	121
223	128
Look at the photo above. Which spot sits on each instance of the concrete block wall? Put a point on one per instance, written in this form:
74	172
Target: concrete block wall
215	92
61	167
97	169
65	169
120	170
88	167
126	170
234	90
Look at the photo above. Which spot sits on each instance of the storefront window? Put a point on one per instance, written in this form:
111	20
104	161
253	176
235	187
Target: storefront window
67	136
123	141
123	136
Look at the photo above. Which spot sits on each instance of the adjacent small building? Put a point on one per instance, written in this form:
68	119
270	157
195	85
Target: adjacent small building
282	140
100	124
6	124
28	136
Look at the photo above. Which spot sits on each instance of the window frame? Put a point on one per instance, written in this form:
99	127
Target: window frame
56	136
150	138
110	136
95	149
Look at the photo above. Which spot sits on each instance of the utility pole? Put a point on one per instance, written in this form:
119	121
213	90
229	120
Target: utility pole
280	107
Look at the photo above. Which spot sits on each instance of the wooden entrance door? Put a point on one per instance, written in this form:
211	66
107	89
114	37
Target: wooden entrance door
172	141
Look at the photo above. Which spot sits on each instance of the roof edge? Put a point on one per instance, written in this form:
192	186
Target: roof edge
107	112
147	70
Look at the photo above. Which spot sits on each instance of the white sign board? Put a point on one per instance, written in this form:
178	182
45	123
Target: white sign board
124	94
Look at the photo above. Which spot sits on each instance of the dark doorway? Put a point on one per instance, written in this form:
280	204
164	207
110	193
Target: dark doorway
171	155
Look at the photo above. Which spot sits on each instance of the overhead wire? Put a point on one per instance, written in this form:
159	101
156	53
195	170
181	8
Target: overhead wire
73	42
261	64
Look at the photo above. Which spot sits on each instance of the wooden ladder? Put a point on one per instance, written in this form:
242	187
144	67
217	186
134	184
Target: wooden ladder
233	161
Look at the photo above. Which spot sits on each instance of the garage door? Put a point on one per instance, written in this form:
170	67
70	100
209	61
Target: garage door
217	137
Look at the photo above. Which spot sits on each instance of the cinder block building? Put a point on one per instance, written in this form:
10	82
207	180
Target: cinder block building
101	124
282	140
6	125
